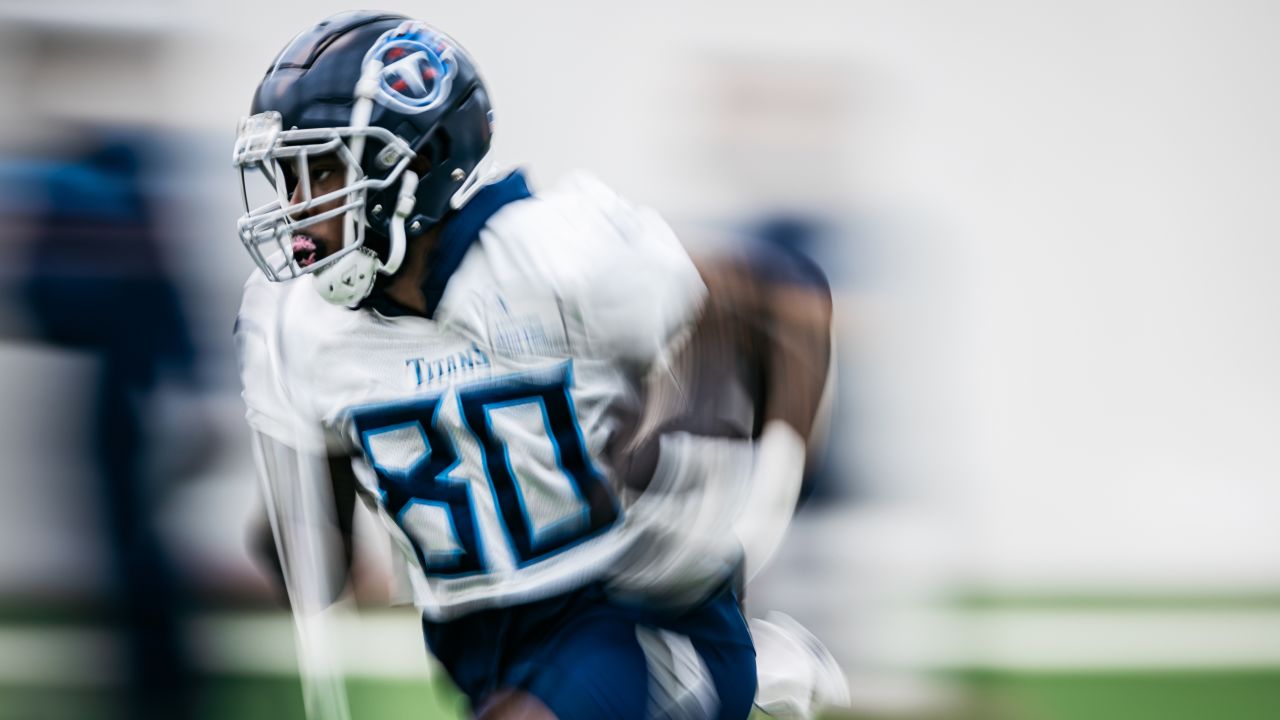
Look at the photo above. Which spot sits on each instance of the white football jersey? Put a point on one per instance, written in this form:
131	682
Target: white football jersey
485	432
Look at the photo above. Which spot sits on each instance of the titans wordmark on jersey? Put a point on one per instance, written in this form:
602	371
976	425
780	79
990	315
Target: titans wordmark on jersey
485	431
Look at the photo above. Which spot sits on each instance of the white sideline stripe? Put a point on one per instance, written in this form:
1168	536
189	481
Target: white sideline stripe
1040	640
383	644
63	656
1073	640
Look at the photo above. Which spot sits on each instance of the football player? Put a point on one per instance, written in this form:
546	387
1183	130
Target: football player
527	385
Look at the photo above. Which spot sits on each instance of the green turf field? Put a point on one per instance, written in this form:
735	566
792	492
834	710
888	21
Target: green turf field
1253	695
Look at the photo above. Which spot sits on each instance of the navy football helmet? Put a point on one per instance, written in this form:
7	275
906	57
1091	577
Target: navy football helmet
401	106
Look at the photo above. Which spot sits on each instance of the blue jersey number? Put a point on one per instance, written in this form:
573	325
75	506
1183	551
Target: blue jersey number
548	494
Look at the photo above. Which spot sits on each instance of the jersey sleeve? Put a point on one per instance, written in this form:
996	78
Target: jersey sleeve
269	408
642	290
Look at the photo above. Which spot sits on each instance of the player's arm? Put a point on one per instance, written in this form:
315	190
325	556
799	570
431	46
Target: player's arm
770	309
772	312
299	504
338	532
301	515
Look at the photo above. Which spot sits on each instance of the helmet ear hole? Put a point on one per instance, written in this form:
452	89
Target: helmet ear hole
443	146
432	153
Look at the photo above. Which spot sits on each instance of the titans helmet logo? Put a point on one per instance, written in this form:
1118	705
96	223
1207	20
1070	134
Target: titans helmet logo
418	68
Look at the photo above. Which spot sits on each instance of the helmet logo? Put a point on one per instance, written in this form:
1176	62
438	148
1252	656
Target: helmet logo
418	68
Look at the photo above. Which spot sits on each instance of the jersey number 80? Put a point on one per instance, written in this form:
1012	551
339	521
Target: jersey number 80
547	493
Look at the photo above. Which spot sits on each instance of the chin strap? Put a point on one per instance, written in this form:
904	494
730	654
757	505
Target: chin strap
404	206
349	279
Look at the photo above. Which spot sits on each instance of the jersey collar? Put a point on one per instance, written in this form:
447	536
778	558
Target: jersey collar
459	233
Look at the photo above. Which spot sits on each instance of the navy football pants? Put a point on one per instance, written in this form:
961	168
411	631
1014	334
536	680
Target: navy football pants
580	655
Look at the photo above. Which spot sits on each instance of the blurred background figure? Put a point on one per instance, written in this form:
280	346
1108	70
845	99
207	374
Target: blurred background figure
96	283
83	179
